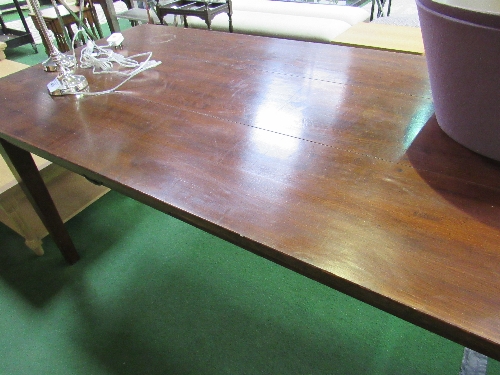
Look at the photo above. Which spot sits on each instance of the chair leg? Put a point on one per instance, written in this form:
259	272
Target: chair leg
208	21
96	24
380	4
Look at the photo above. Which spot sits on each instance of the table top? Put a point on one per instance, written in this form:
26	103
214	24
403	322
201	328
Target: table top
7	180
8	67
383	37
325	159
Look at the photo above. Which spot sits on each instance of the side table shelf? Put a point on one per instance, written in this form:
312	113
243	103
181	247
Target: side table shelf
71	194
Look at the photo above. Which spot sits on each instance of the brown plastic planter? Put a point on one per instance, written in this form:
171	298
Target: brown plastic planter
462	48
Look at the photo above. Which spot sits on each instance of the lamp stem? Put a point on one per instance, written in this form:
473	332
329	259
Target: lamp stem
66	82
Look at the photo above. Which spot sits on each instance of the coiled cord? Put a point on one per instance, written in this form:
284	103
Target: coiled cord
102	60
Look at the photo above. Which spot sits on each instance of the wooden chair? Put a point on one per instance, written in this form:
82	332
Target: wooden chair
380	8
50	17
145	13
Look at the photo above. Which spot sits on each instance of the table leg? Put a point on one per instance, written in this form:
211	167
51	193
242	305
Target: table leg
380	8
380	12
473	363
230	14
26	173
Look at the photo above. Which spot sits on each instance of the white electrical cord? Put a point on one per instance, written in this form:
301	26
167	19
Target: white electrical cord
102	59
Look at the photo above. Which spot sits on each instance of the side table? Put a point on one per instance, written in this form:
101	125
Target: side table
403	39
202	9
71	194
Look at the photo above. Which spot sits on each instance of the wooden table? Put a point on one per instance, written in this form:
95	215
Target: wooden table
108	9
325	159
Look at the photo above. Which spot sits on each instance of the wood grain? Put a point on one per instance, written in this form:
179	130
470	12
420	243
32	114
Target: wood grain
325	159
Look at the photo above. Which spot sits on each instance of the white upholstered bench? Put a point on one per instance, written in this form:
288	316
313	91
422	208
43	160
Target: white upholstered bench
290	20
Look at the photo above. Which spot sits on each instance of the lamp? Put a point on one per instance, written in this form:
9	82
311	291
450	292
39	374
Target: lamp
66	83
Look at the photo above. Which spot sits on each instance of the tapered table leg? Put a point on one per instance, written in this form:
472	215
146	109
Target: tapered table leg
26	173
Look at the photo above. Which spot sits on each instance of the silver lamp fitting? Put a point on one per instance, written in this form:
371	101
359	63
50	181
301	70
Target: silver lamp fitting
68	61
66	82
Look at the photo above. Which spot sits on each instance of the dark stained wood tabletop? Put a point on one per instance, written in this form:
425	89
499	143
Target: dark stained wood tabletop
325	159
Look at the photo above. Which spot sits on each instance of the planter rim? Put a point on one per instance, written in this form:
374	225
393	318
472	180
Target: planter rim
480	17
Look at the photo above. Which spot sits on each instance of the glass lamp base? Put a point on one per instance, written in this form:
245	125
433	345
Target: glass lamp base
68	84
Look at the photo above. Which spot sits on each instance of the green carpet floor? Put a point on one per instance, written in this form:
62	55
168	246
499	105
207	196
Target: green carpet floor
153	295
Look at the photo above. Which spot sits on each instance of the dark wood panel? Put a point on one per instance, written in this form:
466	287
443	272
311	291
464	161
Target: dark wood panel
325	159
